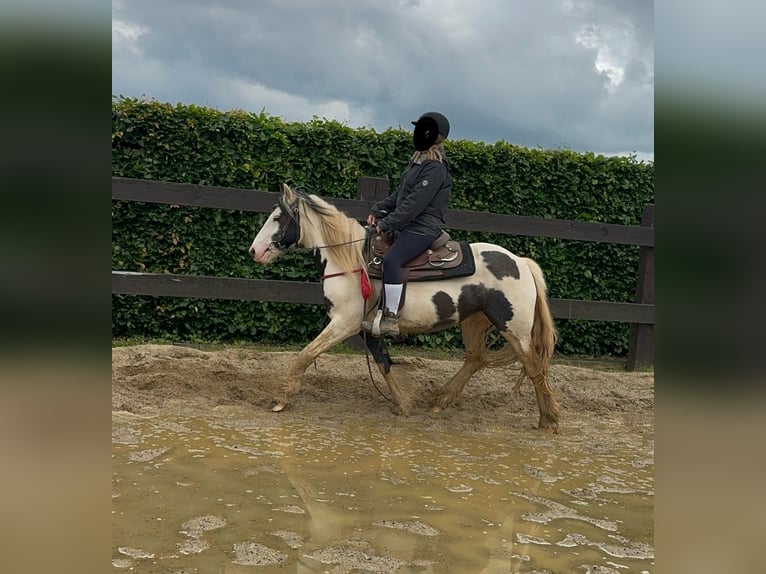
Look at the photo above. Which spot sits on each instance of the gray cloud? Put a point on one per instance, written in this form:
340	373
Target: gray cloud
571	73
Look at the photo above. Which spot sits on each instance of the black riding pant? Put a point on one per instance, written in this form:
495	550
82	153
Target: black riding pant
407	246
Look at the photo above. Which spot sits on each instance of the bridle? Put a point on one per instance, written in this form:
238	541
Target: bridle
290	233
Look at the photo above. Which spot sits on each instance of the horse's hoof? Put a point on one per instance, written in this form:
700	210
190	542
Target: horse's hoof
436	409
551	426
401	411
278	406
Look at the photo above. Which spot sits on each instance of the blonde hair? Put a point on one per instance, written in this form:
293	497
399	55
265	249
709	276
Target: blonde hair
435	152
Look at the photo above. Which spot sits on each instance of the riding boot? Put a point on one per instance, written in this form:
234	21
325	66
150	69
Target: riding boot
389	325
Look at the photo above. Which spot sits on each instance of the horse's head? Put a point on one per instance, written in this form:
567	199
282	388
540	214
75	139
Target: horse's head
281	230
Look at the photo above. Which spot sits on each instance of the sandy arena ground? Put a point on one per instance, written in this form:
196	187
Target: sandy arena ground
152	379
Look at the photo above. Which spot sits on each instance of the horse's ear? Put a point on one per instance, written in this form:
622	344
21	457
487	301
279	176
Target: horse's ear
287	192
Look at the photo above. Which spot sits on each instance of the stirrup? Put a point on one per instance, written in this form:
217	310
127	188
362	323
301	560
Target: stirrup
373	327
376	323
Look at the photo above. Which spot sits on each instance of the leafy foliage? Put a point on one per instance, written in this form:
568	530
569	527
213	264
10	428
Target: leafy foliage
191	144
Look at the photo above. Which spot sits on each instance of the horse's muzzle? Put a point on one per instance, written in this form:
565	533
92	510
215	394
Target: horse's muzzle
261	257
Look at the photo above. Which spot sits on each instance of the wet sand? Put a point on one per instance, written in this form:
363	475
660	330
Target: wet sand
206	479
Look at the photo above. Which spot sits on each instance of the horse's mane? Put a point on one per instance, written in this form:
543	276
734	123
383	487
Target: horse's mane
341	234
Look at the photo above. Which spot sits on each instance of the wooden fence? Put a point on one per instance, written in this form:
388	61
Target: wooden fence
639	314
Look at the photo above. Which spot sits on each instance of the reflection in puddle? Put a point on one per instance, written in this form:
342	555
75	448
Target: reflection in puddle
226	494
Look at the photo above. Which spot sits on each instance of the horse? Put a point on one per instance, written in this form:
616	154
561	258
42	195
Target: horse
505	294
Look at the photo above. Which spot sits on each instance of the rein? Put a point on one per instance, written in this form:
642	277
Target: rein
368	240
369	367
296	247
367	357
339	273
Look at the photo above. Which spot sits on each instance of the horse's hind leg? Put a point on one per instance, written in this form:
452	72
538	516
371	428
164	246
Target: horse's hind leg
546	401
377	346
538	374
473	329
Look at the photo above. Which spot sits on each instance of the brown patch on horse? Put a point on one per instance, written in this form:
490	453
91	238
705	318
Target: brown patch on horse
445	310
494	304
500	264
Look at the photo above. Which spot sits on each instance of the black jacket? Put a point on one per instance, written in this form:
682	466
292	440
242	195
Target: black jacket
420	203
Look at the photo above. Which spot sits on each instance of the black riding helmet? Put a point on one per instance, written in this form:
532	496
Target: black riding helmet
427	128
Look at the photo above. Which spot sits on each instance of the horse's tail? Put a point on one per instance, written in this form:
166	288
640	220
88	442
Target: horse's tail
544	333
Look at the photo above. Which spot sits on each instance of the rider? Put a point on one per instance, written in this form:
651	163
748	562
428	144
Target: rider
414	213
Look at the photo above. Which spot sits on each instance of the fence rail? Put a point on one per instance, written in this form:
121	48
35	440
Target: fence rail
640	313
264	201
235	288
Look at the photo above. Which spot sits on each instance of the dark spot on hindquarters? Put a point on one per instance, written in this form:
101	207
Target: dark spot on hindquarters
500	264
494	304
327	304
377	346
470	301
445	309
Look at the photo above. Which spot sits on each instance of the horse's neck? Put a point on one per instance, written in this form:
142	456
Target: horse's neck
326	257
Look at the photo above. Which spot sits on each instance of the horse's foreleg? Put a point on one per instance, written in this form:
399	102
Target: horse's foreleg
330	336
473	329
379	351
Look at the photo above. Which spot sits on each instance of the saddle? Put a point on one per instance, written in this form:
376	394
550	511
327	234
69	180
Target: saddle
445	258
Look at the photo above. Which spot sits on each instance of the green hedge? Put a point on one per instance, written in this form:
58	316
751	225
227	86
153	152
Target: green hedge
190	144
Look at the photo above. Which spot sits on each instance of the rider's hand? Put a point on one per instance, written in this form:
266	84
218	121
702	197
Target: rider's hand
388	236
370	219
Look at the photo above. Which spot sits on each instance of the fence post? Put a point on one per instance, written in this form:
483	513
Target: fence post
641	343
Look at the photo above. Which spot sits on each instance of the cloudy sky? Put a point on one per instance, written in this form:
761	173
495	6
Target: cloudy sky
574	74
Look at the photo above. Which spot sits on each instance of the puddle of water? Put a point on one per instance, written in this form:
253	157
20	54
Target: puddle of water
224	494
